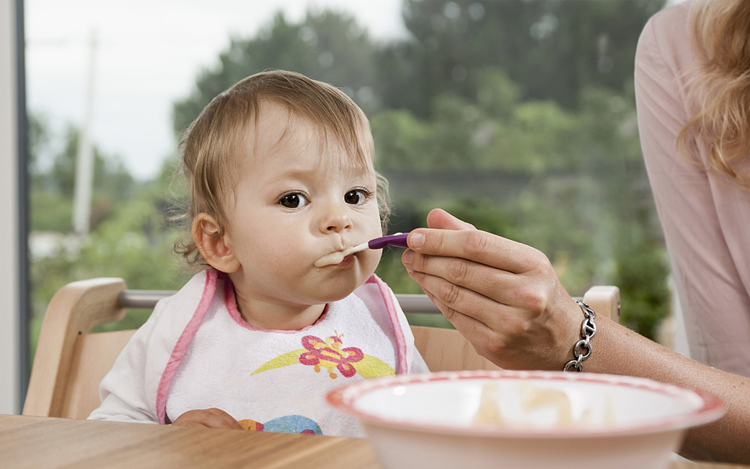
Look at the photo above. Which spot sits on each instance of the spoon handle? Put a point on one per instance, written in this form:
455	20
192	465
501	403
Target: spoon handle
398	239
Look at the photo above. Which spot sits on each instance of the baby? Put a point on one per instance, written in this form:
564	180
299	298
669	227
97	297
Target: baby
280	170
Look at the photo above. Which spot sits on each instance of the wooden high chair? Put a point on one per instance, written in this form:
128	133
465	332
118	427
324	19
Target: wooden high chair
70	361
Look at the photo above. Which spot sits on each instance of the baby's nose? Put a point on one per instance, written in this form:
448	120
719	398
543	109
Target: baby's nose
336	221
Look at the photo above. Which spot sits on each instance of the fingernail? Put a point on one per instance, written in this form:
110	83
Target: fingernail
408	257
416	239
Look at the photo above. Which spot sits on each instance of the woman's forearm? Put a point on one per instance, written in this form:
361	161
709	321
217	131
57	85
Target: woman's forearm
618	350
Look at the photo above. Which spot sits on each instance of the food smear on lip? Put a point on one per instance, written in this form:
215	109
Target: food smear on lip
333	258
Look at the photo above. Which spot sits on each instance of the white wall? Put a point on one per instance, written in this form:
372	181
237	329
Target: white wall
9	315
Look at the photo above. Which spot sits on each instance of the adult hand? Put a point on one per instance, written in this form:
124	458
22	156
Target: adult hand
209	418
503	296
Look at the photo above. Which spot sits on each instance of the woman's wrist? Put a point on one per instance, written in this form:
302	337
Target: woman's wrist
583	348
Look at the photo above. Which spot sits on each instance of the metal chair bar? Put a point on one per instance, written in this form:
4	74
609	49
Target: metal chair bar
147	299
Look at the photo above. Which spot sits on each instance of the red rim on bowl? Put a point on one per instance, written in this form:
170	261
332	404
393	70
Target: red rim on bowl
711	407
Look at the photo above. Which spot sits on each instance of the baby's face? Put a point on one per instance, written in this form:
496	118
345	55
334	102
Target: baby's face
297	200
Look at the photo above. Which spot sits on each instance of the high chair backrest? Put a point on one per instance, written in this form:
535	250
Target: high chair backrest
70	361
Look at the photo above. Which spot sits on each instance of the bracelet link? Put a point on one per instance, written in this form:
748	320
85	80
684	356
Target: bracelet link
583	348
582	345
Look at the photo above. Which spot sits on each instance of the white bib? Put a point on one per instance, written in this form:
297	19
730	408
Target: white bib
278	380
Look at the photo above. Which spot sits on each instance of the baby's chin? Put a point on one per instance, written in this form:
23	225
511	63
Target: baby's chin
338	289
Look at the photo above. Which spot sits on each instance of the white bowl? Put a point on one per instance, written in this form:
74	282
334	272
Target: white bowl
509	419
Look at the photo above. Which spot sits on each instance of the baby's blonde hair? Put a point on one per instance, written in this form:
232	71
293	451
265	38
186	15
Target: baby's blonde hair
721	89
213	145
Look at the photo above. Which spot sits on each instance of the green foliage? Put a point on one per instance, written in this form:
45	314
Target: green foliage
130	237
134	243
397	134
52	189
641	271
492	131
552	48
49	212
326	46
111	179
39	140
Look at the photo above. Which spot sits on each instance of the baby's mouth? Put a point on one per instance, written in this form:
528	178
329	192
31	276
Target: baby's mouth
334	257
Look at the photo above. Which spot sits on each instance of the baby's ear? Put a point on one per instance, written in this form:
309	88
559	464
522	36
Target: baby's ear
215	249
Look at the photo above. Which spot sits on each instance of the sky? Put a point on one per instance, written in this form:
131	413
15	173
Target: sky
149	54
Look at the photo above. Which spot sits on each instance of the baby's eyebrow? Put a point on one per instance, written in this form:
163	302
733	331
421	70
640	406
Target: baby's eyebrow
295	173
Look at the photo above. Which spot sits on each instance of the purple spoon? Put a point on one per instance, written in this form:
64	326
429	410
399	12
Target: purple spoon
398	239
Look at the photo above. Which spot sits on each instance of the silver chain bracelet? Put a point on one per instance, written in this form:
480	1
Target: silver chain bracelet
583	348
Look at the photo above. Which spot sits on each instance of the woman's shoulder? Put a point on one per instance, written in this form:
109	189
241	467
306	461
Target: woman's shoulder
673	16
665	49
669	30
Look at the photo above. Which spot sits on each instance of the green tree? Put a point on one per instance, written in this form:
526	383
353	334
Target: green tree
326	46
492	131
552	48
39	141
111	179
134	242
53	188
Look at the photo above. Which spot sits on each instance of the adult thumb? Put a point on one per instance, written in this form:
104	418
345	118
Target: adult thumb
442	220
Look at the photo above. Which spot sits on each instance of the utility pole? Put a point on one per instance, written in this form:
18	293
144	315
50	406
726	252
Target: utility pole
85	157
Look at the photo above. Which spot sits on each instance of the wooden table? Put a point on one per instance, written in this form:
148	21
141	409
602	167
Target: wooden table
38	442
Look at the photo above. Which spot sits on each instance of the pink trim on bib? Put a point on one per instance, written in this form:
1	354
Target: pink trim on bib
182	344
230	302
401	364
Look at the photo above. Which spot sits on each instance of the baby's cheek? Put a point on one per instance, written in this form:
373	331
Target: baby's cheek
285	259
371	261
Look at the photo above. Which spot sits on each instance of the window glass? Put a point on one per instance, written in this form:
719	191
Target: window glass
515	115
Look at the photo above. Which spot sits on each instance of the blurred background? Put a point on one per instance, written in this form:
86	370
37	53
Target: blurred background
515	115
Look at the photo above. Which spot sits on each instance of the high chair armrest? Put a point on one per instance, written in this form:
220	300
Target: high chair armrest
74	310
604	300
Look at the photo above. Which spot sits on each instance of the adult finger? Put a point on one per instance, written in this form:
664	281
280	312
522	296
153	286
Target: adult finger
454	300
480	291
467	325
494	283
440	219
474	245
497	332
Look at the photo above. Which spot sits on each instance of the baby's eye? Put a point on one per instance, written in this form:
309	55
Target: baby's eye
293	200
356	196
